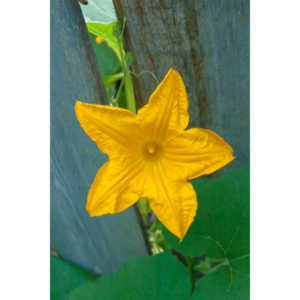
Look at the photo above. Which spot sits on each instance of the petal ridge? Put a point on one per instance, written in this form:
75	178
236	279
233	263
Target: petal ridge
198	152
167	108
109	136
110	186
176	206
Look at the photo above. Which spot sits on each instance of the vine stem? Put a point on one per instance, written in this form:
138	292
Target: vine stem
129	92
113	78
190	264
128	86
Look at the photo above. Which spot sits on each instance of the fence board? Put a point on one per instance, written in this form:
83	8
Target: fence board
97	244
208	42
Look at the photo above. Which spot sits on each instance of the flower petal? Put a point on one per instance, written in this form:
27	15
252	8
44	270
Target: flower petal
110	127
174	202
167	107
198	152
110	192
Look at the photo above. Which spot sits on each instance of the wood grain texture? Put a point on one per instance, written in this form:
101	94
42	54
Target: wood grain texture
208	43
101	244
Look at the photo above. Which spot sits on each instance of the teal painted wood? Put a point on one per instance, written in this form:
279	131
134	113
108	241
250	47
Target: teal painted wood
208	42
97	244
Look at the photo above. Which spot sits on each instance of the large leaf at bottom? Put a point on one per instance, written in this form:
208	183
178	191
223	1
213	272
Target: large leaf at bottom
160	277
229	282
221	226
65	277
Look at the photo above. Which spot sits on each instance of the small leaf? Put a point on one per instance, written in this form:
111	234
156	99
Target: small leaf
158	277
106	31
106	58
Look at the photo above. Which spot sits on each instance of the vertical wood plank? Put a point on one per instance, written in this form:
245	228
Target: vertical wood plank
208	42
98	244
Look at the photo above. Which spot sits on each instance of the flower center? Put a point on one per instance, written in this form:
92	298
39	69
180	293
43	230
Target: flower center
152	151
151	148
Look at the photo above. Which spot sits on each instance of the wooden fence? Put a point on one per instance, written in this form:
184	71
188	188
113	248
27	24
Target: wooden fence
207	41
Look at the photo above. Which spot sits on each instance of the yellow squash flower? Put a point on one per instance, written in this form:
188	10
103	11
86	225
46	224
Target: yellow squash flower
151	155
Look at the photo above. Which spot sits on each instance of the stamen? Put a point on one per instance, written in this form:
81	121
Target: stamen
151	149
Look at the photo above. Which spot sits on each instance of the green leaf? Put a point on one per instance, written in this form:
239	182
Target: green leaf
220	231
228	282
65	277
101	11
106	31
106	58
221	226
108	66
158	277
